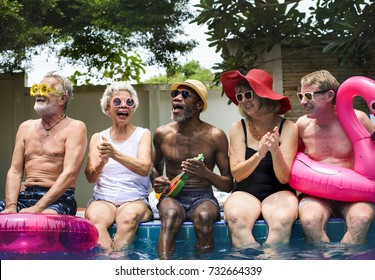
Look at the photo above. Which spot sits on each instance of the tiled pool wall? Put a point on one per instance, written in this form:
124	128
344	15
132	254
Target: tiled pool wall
149	231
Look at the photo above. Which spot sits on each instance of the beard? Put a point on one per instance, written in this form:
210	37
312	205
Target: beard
188	113
45	109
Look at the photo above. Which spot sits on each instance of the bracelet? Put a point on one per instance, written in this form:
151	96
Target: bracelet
13	203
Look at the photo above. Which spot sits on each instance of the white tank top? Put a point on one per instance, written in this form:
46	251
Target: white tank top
117	184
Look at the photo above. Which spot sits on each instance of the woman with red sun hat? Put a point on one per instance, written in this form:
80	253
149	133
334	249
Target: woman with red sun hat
263	145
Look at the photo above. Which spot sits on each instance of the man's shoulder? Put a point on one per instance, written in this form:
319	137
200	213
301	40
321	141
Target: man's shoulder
29	124
213	129
302	118
166	128
303	121
77	123
31	121
75	129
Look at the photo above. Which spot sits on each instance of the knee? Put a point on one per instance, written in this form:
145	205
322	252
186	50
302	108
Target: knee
171	218
359	218
311	220
234	215
203	223
94	218
283	222
204	217
129	219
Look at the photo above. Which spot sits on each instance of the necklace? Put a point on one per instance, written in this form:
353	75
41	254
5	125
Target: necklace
255	133
48	129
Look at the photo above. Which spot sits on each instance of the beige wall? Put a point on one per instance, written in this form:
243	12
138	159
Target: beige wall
154	110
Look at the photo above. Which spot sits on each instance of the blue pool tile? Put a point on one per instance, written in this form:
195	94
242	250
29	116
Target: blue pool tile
371	232
143	232
297	231
183	233
335	229
190	233
221	230
260	231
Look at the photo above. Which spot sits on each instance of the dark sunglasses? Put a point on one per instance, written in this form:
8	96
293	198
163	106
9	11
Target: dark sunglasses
247	95
185	94
117	102
309	95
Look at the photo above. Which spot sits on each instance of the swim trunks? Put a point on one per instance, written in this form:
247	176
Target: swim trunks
65	205
190	198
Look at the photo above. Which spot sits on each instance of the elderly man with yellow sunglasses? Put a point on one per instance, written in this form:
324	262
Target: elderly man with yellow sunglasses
48	154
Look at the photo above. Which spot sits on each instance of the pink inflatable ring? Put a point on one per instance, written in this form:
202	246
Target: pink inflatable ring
41	233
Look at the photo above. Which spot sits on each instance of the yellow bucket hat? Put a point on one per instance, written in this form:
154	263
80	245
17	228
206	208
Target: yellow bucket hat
198	87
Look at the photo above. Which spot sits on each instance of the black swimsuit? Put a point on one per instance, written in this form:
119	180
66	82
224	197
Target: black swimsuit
262	182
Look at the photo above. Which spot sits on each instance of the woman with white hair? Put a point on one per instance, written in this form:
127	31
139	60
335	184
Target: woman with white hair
118	163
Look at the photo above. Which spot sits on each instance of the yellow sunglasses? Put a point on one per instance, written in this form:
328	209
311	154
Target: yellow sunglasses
43	89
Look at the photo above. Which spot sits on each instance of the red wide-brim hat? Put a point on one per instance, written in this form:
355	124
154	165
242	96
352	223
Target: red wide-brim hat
260	82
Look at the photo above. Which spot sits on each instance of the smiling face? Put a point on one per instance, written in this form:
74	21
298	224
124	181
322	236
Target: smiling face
248	106
318	104
120	107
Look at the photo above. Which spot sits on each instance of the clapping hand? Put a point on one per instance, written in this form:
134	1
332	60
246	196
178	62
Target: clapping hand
269	142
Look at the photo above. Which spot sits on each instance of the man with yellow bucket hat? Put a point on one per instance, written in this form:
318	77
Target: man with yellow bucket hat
190	149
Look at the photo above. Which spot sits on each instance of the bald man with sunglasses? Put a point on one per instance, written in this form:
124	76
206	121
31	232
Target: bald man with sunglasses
322	137
48	154
177	146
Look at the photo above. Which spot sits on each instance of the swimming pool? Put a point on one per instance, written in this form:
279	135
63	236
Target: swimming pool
144	247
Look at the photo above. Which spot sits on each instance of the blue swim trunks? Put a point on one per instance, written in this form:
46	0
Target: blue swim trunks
65	205
190	198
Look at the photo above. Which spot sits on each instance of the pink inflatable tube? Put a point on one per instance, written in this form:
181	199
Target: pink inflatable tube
339	183
333	182
41	233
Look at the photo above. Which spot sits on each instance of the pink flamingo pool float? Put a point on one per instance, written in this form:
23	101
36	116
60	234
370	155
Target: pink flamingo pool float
338	183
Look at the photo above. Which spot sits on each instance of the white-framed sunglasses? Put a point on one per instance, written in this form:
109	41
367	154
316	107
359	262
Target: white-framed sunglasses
309	95
242	96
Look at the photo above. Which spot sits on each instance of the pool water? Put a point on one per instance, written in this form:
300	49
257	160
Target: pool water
143	250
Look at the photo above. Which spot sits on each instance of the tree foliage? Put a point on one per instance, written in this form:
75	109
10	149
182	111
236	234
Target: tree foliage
343	28
350	30
190	70
99	34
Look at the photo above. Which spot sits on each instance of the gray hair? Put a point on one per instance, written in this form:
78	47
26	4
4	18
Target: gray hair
64	85
115	87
